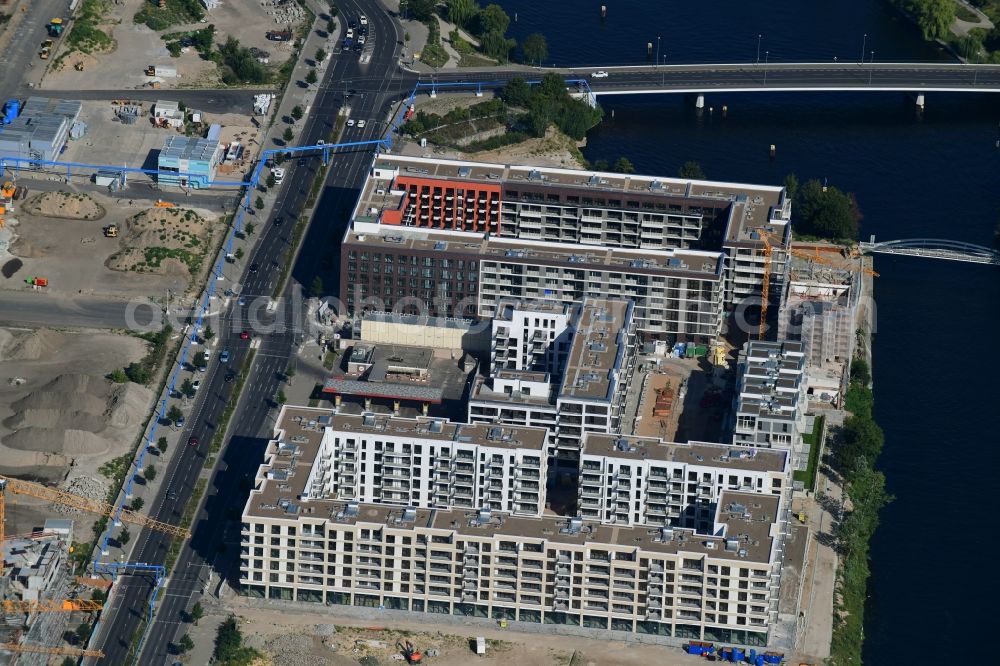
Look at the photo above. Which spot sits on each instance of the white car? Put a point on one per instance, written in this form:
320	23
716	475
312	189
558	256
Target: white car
361	39
599	75
350	122
361	123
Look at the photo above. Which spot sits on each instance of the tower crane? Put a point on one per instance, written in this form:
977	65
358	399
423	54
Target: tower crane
53	606
43	649
765	287
820	259
56	496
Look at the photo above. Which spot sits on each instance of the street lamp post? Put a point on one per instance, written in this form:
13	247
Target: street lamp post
663	72
864	43
657	63
766	53
870	69
758	47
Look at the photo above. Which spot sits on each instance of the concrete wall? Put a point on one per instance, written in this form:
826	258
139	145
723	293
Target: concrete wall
471	340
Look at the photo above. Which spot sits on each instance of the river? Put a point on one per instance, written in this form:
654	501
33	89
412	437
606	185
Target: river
930	175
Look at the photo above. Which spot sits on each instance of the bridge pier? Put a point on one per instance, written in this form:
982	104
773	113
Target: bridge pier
699	102
920	101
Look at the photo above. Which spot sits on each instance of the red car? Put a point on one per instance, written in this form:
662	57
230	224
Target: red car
245	335
192	441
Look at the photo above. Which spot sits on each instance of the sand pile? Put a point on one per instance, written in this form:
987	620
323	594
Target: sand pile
66	205
71	414
37	344
162	241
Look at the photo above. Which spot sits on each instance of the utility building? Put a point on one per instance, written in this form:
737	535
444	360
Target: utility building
41	130
188	161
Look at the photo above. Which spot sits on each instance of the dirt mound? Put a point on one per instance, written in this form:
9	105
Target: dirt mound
33	464
65	205
126	405
57	440
32	346
163	241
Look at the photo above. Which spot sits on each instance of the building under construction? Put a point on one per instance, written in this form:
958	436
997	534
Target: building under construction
820	307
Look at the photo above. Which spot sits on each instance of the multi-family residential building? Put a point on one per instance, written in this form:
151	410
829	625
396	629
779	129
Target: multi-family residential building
663	581
423	462
770	401
646	481
532	337
581	392
461	237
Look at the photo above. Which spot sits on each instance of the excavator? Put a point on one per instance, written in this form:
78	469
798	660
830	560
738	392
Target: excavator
409	652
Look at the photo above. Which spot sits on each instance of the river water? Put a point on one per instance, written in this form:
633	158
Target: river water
935	175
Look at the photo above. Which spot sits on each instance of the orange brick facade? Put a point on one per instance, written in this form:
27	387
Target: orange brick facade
446	204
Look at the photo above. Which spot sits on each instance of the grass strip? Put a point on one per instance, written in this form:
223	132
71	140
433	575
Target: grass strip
815	438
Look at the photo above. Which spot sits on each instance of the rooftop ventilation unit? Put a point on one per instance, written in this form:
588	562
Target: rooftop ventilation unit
535	174
464	172
409	514
435	426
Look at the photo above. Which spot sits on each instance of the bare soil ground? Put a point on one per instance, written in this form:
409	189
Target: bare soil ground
77	258
60	419
136	46
553	150
293	639
65	205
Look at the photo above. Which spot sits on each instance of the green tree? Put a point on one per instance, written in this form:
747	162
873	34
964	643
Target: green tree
861	438
420	10
259	204
118	376
68	661
462	12
174	413
311	77
137	504
316	289
825	212
517	92
82	633
197	612
624	165
861	372
535	48
229	643
249	228
330	27
692	170
289	373
187	387
280	397
287	135
320	55
493	19
150	473
238	253
270	182
600	165
209	333
124	536
297	112
162	444
934	17
200	360
185	644
791	186
138	373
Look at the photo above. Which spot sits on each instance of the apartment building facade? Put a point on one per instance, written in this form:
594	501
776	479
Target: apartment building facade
664	582
645	481
428	462
583	391
771	401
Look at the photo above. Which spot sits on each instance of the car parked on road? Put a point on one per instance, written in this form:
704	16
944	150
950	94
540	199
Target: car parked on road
350	122
179	423
601	74
224	356
361	123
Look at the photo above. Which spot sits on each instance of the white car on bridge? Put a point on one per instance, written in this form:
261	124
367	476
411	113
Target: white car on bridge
599	75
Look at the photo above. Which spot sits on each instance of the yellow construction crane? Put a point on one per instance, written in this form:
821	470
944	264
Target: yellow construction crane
765	287
53	606
56	496
42	649
820	259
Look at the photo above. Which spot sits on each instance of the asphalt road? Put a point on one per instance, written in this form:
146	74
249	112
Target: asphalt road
211	101
908	76
20	59
214	545
38	308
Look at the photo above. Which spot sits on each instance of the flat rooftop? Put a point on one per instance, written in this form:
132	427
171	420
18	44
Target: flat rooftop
691	453
773	373
483	392
400	372
597	352
299	432
752	205
681	263
746	518
180	147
